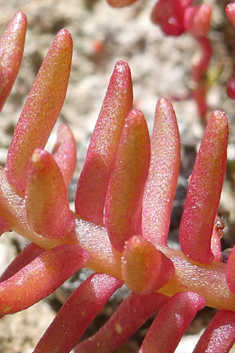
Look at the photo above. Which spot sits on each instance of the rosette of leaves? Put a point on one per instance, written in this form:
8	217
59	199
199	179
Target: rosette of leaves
122	213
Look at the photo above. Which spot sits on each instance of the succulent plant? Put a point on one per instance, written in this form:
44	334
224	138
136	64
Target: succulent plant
122	214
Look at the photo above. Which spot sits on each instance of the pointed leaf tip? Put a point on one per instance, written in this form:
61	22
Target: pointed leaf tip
96	172
127	181
162	179
204	191
41	109
11	53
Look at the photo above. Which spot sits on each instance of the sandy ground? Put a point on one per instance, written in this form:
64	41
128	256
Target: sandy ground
160	67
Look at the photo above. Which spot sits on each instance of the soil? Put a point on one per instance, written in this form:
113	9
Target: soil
160	67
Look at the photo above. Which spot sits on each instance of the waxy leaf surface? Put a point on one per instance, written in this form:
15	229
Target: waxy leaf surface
41	109
65	153
11	52
46	197
96	172
204	191
130	315
77	313
40	277
127	181
163	174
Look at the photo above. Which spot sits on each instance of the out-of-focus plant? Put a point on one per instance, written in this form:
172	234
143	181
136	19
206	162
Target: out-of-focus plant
122	213
176	17
230	12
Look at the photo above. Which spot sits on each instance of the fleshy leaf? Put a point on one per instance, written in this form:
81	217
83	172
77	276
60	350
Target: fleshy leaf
163	174
65	152
171	322
11	52
204	191
28	254
230	89
197	20
230	270
230	12
40	277
129	316
77	313
144	268
46	197
95	175
41	109
169	15
127	181
219	336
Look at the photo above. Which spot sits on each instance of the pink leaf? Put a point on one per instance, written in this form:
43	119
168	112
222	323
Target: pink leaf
169	14
172	322
144	268
127	181
11	52
204	191
197	20
77	313
65	153
163	174
46	197
28	254
95	175
230	12
230	89
40	277
230	270
219	336
41	109
130	315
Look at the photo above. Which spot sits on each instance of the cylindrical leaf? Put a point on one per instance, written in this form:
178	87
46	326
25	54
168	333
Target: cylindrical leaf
95	175
127	181
28	254
204	191
77	313
163	174
230	271
171	323
11	52
41	109
46	197
219	336
230	12
40	277
217	234
65	152
130	315
197	20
